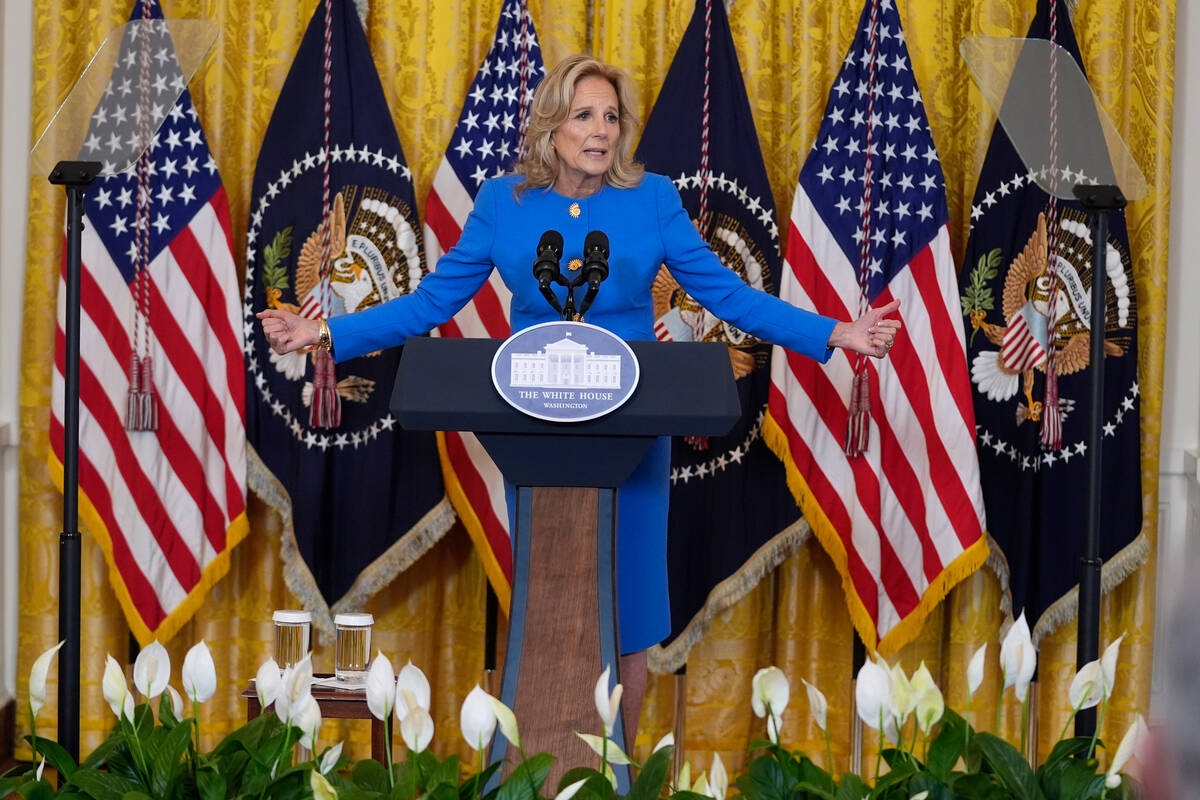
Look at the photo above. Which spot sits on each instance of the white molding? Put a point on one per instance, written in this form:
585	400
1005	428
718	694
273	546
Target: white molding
16	82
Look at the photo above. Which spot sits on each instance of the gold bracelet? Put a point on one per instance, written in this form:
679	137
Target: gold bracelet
324	337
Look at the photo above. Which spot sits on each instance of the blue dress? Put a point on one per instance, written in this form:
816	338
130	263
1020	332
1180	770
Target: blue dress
647	227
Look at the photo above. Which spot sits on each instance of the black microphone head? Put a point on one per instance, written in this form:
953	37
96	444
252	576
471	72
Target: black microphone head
596	240
553	241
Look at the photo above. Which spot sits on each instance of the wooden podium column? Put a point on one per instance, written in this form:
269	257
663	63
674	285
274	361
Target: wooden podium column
562	628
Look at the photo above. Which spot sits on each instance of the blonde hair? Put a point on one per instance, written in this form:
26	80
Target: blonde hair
550	109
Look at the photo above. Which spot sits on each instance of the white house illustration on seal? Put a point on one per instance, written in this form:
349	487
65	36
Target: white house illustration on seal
565	364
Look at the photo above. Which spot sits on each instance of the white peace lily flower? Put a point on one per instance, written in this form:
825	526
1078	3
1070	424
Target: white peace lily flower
1087	687
684	781
37	678
718	778
904	698
506	720
570	789
975	670
297	684
268	683
330	759
412	679
176	702
1131	742
1028	663
41	768
152	670
817	704
920	795
477	719
307	717
614	755
666	741
1017	656
769	689
608	705
701	786
199	674
930	703
322	789
416	729
115	690
1108	665
381	687
873	694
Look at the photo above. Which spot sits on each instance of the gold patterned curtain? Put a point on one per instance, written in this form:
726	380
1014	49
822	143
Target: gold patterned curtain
427	53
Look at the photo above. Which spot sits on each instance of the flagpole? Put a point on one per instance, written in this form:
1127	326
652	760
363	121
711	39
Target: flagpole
1098	201
75	177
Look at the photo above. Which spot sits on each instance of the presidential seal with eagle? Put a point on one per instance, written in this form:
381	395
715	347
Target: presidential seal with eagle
1039	313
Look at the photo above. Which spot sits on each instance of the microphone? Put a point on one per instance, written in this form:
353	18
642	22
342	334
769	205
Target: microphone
595	258
545	266
549	252
595	266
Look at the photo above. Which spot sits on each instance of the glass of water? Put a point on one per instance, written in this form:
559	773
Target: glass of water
352	646
293	632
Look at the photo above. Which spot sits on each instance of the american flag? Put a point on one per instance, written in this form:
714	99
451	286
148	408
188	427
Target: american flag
167	504
485	144
904	520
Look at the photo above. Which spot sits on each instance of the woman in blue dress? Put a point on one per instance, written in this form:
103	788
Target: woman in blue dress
578	175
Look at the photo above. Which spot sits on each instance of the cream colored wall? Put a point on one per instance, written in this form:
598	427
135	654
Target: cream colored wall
16	60
1179	512
1179	487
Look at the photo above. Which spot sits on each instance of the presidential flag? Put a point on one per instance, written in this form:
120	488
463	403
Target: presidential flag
731	518
162	439
1017	315
902	520
333	230
485	144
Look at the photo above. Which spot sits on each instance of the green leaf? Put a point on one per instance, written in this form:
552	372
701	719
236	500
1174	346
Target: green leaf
102	785
164	756
526	780
472	787
653	776
166	714
210	784
98	756
143	720
816	780
56	755
136	796
1078	780
978	786
947	746
445	773
898	775
370	774
1009	766
36	790
597	785
765	779
852	787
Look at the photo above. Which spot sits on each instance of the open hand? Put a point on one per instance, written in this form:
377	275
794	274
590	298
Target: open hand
870	334
286	331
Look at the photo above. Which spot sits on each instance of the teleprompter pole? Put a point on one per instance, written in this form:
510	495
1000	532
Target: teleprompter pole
75	177
1098	201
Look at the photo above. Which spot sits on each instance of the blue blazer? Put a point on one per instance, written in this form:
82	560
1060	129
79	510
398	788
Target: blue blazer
646	227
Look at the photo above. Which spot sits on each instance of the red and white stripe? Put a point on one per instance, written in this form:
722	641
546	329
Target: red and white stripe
162	502
465	462
1019	350
911	504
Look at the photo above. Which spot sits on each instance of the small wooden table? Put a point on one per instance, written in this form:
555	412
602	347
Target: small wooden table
334	704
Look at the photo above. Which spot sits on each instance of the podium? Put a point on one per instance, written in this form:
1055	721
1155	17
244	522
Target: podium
562	629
